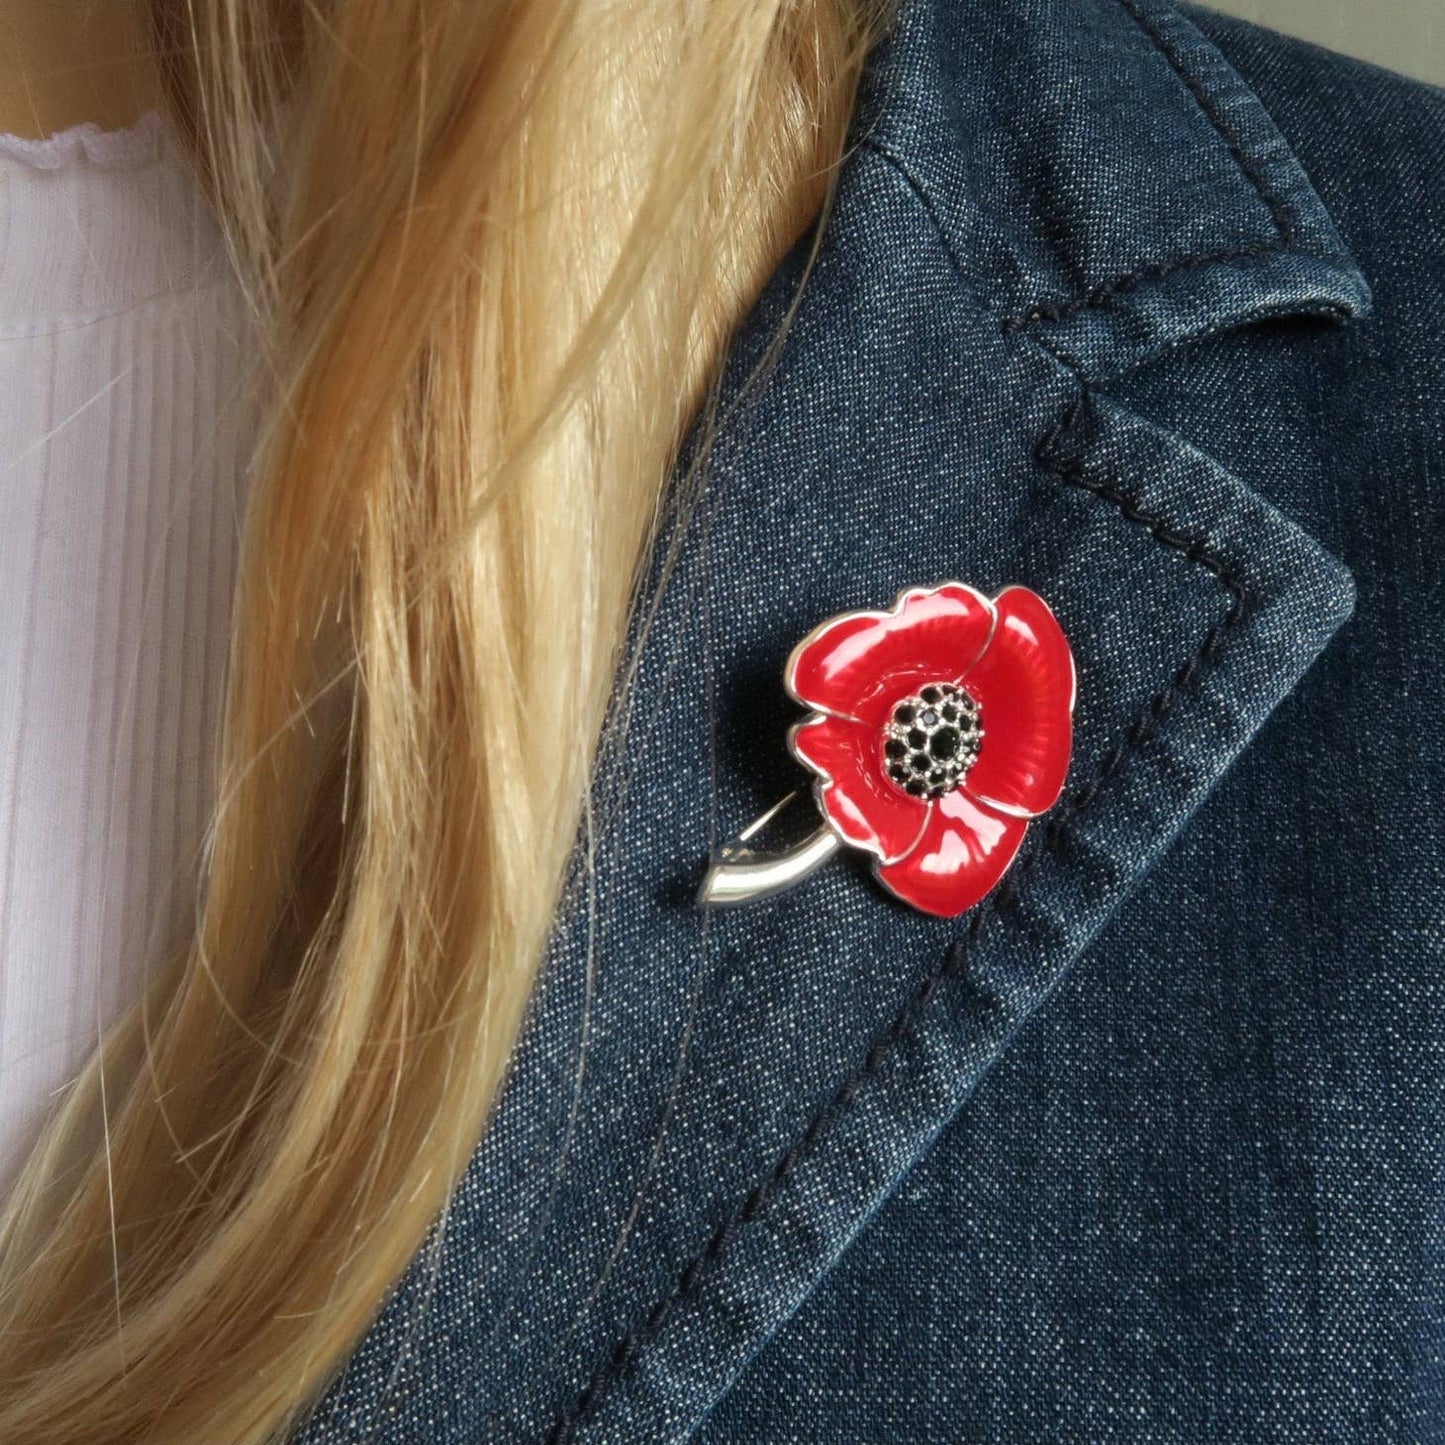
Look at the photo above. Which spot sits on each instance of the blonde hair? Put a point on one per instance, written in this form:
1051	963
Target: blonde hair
496	249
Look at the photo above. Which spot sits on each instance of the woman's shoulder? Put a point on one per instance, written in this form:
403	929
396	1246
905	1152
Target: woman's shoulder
1092	315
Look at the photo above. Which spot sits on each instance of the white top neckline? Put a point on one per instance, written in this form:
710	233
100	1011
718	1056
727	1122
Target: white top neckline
139	144
95	221
125	350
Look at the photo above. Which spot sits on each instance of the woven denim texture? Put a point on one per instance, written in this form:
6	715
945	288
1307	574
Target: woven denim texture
1145	310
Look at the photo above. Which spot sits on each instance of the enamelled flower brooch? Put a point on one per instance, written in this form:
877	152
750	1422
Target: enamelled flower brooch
938	729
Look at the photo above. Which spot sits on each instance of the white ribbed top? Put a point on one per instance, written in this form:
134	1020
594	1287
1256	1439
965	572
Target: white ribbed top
122	349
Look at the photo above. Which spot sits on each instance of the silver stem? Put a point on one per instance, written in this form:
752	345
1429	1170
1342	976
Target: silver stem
738	875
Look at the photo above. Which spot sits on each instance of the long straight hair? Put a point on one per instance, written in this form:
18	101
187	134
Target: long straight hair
495	250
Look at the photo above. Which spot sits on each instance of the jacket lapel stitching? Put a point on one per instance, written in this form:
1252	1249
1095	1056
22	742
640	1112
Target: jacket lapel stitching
1071	470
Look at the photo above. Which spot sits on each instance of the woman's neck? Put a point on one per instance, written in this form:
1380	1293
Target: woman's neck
63	62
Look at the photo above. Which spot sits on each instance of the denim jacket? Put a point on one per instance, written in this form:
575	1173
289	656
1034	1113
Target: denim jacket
1143	309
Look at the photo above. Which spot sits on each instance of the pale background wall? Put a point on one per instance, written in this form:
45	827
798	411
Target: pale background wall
1408	35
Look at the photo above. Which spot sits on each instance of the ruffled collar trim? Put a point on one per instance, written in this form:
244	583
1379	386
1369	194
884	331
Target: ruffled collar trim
88	143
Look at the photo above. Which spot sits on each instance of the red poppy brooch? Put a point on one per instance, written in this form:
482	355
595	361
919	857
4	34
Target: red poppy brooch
938	729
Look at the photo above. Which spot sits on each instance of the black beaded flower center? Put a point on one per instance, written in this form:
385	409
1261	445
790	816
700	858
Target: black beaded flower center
932	740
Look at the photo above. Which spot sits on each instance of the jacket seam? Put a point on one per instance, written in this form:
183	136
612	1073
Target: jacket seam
1071	470
925	200
1273	202
1052	311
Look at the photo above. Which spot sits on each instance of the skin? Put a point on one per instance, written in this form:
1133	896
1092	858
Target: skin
63	62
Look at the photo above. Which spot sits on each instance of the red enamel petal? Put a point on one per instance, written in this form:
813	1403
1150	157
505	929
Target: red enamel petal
862	805
963	853
1024	687
860	663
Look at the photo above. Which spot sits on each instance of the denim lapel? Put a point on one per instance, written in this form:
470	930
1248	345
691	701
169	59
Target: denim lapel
706	1109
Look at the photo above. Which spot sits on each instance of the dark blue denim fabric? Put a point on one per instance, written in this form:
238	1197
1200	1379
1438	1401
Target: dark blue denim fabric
1149	1147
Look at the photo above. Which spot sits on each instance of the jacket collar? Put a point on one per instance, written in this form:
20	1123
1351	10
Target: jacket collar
1114	189
705	1109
